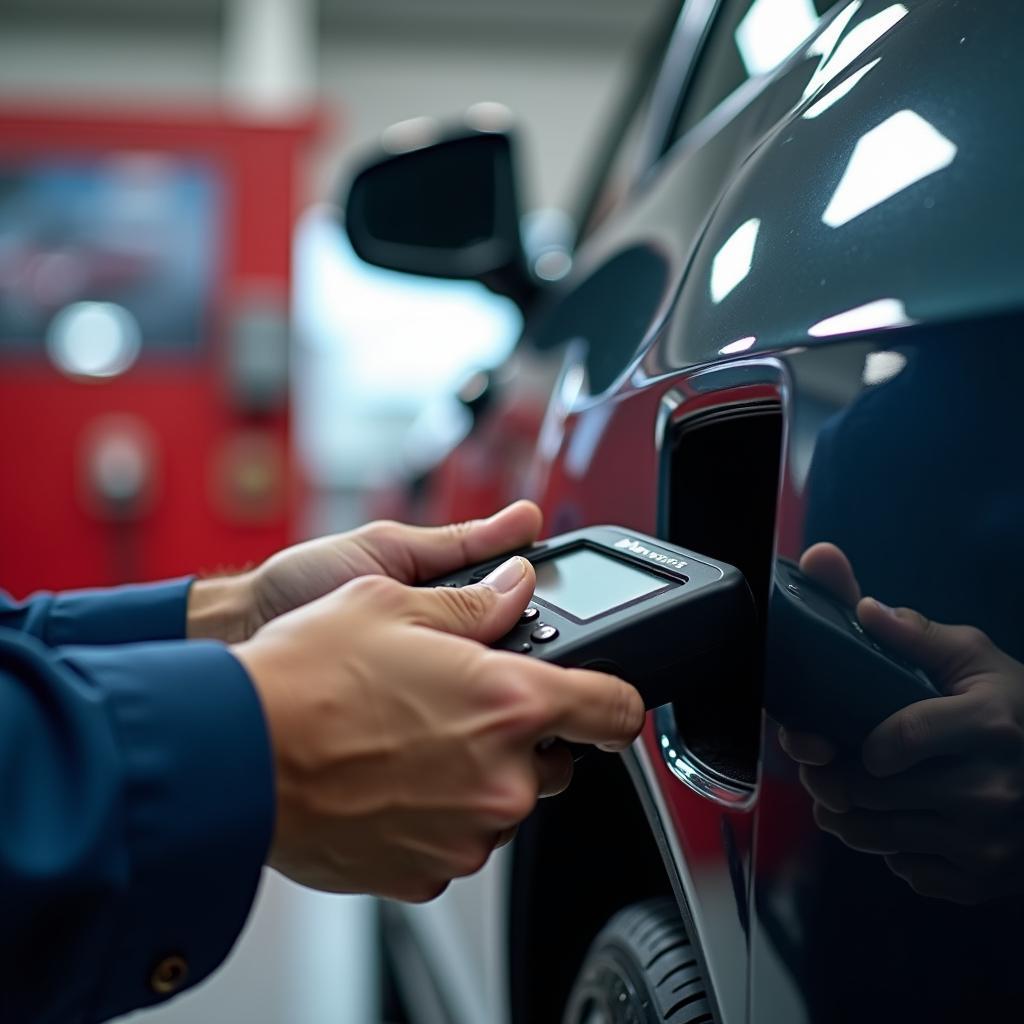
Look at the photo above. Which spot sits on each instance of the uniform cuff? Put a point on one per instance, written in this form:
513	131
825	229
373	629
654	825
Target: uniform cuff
119	615
198	811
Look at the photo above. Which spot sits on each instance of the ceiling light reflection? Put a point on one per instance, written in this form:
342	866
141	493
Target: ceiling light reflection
415	133
832	97
488	116
732	262
872	316
826	41
740	345
882	366
901	151
771	30
869	31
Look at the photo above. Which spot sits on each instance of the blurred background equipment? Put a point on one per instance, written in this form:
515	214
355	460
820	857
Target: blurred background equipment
143	272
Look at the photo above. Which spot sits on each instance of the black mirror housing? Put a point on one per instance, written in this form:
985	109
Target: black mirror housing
449	209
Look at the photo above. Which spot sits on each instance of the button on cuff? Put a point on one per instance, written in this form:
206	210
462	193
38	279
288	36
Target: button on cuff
169	975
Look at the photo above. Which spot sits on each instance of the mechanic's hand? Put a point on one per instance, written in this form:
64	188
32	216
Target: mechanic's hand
232	608
405	749
939	787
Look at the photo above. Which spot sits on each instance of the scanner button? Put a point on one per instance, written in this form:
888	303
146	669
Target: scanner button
529	615
544	633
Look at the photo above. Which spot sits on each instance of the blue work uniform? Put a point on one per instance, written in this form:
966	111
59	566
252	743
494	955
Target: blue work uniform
136	802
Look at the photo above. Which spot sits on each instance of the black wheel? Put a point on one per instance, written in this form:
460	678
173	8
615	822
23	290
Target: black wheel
641	969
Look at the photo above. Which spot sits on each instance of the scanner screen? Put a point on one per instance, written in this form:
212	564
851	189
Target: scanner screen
586	583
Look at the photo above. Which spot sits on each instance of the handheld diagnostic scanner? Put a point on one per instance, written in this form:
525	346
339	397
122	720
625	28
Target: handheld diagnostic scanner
617	601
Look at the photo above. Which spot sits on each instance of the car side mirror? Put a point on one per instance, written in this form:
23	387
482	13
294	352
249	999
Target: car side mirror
448	209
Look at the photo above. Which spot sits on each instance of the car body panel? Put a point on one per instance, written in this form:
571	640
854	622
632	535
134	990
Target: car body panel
945	245
917	479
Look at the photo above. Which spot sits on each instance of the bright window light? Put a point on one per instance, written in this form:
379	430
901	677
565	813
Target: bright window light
732	262
771	30
872	316
831	98
374	349
901	151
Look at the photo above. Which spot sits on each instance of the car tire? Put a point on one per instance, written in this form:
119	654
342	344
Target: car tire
641	969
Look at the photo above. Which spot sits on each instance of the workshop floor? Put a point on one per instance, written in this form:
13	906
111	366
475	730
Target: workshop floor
304	957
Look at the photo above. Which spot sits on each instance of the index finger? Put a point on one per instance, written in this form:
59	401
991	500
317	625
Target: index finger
928	728
827	565
592	707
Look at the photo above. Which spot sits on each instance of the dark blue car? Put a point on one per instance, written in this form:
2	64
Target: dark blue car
792	338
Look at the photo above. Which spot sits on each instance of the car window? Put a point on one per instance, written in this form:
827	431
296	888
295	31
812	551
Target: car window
615	170
748	38
621	171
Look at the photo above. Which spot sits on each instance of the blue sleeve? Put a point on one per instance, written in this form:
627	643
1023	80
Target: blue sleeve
117	615
136	809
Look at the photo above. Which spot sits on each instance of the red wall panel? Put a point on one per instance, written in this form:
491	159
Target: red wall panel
196	518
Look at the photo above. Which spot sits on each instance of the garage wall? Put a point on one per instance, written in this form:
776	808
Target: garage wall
561	97
561	83
63	62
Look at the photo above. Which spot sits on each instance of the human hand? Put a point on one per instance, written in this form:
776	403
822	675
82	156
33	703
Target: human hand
405	749
232	608
939	787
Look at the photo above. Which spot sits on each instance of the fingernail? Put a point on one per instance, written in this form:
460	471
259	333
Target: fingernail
507	575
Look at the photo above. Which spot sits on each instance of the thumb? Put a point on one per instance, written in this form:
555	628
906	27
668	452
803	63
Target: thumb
482	611
947	653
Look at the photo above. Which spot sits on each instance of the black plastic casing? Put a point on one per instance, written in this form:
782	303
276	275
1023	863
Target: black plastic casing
662	642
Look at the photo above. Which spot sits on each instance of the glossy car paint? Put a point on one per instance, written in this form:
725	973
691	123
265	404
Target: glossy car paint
890	341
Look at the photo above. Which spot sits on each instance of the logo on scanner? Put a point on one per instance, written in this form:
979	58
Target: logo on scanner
634	547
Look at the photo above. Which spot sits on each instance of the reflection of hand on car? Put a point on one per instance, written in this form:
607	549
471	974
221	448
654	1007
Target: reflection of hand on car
938	789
